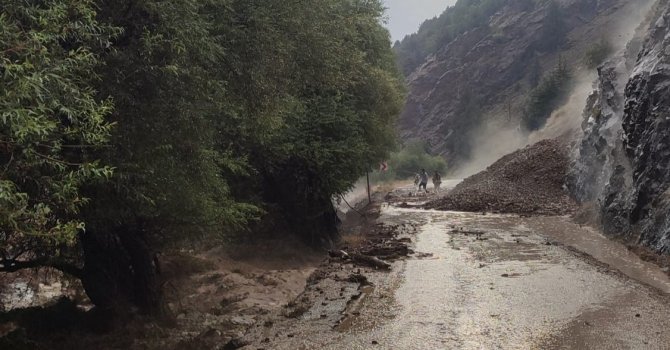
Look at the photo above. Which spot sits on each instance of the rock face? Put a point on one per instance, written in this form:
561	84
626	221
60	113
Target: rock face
484	74
622	163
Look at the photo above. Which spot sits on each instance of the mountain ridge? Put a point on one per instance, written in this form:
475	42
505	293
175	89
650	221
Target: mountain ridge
484	75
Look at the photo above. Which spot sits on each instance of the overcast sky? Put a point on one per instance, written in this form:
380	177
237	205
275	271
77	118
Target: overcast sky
405	16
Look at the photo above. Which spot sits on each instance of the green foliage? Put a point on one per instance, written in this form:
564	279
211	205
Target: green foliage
435	33
597	54
299	96
169	103
50	121
221	109
413	157
546	97
322	100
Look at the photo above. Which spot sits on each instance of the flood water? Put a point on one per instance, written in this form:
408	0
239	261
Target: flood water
500	282
479	282
497	282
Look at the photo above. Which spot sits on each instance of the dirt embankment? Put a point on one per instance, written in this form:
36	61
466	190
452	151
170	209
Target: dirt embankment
528	181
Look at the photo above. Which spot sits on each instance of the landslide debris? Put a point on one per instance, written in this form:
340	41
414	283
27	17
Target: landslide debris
528	181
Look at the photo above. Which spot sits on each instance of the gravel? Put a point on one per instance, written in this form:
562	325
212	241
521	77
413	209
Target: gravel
528	181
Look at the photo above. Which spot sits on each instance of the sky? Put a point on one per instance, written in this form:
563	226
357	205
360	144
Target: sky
405	16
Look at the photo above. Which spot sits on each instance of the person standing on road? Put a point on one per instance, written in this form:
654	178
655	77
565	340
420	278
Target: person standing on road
424	180
437	181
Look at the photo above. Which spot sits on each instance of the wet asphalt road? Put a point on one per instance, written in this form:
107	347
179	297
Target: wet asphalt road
498	282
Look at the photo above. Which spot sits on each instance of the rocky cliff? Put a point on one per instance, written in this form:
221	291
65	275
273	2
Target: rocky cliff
483	76
622	163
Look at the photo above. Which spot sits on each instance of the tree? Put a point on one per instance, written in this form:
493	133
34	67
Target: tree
410	159
345	95
598	53
51	122
546	97
289	101
162	75
314	93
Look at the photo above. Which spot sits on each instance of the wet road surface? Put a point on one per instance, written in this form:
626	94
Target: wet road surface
497	282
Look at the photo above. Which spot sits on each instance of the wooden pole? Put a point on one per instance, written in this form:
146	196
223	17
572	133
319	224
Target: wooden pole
367	175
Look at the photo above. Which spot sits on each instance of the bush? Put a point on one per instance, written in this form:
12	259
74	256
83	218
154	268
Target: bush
597	54
546	97
221	109
409	161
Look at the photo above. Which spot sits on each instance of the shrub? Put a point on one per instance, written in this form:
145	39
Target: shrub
413	157
597	54
546	97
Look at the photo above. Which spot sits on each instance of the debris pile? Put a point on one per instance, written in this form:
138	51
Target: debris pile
528	181
354	265
382	246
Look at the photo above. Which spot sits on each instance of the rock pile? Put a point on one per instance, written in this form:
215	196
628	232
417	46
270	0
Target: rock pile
528	181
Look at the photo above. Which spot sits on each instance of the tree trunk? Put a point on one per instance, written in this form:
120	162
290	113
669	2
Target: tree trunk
120	273
310	215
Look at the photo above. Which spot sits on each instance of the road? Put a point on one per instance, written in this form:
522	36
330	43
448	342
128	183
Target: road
492	282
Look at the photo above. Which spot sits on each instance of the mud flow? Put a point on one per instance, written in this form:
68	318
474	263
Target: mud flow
492	282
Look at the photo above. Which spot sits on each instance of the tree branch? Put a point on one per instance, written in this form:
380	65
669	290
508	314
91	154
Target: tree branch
44	156
11	265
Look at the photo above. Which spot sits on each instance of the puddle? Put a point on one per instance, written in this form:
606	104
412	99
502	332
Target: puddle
603	249
354	309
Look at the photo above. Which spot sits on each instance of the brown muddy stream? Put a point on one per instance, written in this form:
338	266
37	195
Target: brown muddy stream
481	282
503	282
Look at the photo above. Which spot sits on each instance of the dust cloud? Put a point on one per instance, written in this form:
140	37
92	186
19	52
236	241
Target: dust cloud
491	142
567	119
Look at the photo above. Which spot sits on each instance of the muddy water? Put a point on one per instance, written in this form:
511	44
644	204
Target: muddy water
603	249
497	282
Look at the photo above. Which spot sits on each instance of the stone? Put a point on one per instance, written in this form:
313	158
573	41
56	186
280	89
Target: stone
623	158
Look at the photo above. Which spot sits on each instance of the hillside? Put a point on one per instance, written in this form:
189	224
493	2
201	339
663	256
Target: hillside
483	59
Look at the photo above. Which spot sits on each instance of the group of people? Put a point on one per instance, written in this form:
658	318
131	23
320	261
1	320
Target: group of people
421	179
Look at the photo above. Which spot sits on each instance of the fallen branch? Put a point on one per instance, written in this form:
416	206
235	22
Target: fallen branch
370	261
338	254
10	265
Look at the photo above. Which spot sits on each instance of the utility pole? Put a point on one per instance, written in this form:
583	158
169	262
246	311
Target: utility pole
367	175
